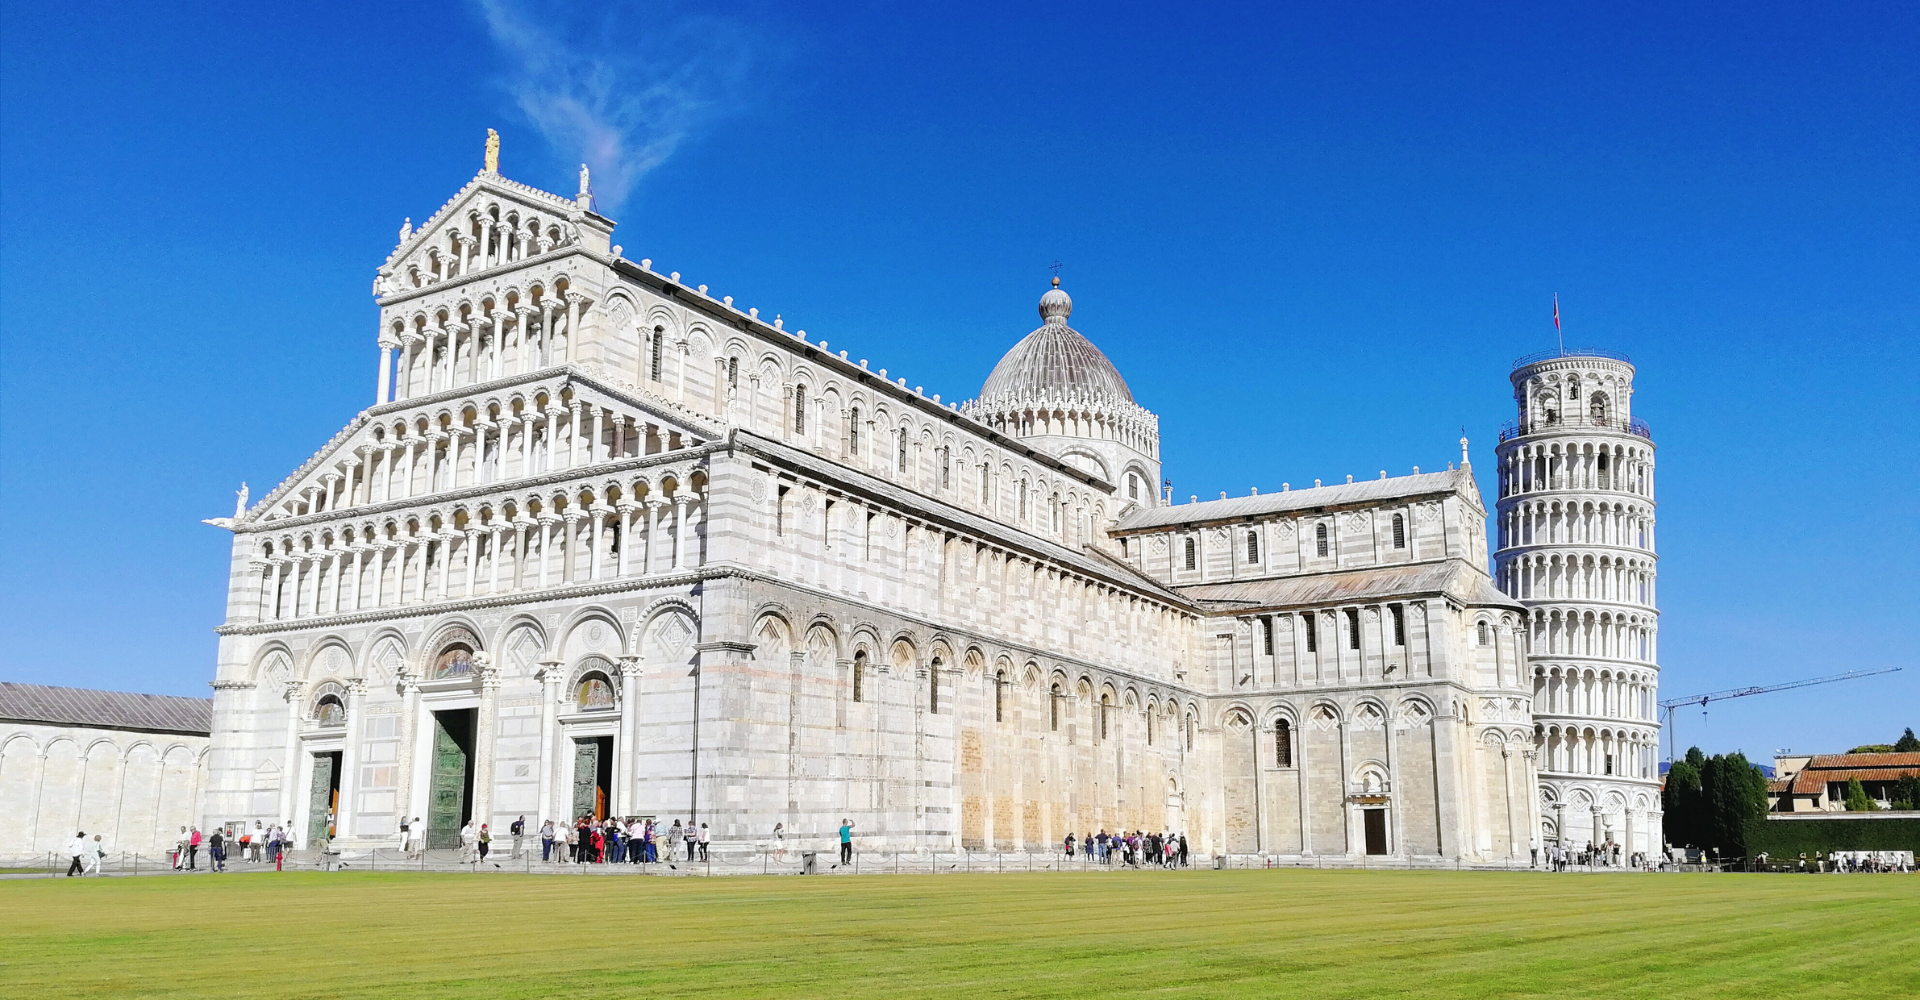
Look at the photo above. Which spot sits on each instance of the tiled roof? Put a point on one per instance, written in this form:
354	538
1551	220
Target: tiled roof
1450	577
1831	767
1365	491
65	706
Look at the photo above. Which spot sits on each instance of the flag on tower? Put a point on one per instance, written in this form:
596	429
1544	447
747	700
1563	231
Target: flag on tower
1556	310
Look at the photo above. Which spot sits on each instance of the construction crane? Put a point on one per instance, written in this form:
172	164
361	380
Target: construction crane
1702	699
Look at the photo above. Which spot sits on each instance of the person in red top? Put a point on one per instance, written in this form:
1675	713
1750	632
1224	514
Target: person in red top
599	845
193	849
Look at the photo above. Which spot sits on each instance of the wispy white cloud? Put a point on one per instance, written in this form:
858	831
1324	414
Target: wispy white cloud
619	85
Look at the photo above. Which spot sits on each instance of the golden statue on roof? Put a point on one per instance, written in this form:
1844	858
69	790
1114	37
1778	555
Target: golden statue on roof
493	152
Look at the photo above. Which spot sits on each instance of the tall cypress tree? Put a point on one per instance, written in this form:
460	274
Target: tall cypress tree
1680	800
1732	792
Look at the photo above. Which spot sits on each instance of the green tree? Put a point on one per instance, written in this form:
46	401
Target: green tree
1873	748
1907	743
1906	792
1732	792
1857	800
1680	800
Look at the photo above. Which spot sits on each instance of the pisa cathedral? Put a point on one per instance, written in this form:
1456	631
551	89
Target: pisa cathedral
605	543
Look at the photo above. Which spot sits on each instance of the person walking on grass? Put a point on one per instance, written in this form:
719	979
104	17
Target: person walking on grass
77	848
846	841
96	854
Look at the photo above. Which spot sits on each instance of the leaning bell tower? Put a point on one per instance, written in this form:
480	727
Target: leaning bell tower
1576	546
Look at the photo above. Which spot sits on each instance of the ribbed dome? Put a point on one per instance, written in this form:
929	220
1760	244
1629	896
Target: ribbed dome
1055	358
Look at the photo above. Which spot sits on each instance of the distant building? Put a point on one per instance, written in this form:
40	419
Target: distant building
1818	782
130	767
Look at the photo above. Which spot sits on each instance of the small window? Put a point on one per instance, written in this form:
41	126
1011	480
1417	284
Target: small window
1192	555
986	485
853	432
1483	633
1253	546
946	467
1133	486
860	676
1053	708
799	409
1190	728
659	344
903	449
330	712
1353	629
1023	501
1000	696
933	687
1306	626
1106	708
780	512
1283	743
733	373
1266	633
1320	540
1399	625
1399	532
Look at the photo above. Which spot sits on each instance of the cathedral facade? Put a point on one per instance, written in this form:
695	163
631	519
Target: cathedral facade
605	544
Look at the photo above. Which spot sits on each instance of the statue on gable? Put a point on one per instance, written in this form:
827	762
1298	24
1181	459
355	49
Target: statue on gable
240	500
493	152
406	229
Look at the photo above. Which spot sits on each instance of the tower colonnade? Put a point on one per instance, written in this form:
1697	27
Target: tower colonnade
1575	543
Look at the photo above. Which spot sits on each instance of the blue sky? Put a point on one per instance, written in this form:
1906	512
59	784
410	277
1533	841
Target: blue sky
1313	239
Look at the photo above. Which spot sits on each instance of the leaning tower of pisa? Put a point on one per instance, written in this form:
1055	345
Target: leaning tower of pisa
1576	546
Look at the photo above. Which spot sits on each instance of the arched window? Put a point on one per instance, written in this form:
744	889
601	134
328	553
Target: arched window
1266	632
1282	743
1483	633
853	432
1253	546
1023	500
594	693
1106	708
1399	532
799	409
946	467
455	661
986	484
1190	727
902	461
1597	407
1306	626
658	347
933	687
1053	708
1192	556
733	373
1353	629
1320	540
860	676
1399	625
329	711
999	696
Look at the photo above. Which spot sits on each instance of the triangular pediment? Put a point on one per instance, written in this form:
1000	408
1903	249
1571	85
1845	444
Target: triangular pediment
657	422
431	251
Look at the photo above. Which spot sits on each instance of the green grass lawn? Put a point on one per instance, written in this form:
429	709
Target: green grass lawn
1281	933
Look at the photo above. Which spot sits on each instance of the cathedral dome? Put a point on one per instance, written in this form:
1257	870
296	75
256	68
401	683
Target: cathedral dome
1055	359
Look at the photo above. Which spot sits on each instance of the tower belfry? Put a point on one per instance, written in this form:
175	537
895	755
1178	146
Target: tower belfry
1576	545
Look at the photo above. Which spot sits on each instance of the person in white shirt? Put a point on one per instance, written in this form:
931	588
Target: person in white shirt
96	853
469	844
77	848
258	846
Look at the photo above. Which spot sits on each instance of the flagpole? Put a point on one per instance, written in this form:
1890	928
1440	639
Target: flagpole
1558	335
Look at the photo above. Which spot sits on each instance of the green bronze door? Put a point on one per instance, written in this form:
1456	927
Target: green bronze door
586	779
447	804
320	799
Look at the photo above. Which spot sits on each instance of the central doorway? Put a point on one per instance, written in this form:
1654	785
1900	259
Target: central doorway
450	795
1376	820
323	802
592	776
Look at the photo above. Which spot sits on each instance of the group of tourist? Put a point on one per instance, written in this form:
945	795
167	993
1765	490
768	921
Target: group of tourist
1560	857
616	840
1167	850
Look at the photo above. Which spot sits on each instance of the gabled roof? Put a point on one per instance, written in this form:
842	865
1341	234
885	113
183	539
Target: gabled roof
65	706
1451	578
1831	767
1368	491
495	182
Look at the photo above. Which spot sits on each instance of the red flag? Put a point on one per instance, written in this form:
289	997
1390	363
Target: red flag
1556	310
